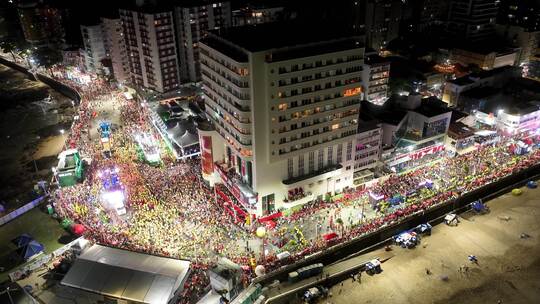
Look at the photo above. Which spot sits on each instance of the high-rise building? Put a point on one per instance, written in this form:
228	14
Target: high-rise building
115	47
381	21
94	48
41	24
521	13
193	20
472	20
424	16
151	47
375	77
285	109
260	13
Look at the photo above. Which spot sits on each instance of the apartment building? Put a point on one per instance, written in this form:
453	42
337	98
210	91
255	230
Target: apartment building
368	150
151	47
286	111
375	76
115	47
94	48
193	20
473	20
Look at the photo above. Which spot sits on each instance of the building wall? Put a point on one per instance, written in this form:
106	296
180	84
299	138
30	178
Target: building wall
382	19
41	24
520	37
94	47
473	20
151	49
192	24
115	47
271	103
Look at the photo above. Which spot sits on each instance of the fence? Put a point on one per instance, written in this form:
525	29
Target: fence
14	214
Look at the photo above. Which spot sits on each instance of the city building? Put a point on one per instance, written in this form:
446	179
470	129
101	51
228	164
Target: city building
286	111
424	15
375	77
520	37
193	20
73	57
151	47
472	20
115	47
41	24
520	13
497	78
94	48
368	150
519	118
486	58
460	139
414	130
10	28
381	21
260	13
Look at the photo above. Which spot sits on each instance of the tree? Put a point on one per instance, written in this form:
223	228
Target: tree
8	47
47	58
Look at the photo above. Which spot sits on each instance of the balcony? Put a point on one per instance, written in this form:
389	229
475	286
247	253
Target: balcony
236	185
327	172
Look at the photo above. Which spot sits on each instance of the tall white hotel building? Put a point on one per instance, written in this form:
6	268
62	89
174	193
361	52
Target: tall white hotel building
284	102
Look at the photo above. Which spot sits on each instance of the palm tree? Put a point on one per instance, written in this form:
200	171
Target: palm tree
8	47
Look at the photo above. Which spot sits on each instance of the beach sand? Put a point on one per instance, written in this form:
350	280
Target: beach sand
508	267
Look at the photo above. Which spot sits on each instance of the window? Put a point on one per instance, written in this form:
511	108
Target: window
330	159
339	153
320	159
349	151
301	165
311	161
290	167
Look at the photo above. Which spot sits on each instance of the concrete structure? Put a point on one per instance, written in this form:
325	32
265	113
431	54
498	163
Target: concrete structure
472	20
94	48
521	118
375	78
151	48
368	149
73	57
414	134
115	47
521	13
193	20
460	139
522	38
286	110
259	13
486	59
41	24
497	78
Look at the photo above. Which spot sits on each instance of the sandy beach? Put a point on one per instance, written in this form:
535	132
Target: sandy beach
508	267
30	138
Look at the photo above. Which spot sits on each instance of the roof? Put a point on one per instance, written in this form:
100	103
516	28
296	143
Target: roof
481	92
127	275
282	34
459	130
432	106
523	108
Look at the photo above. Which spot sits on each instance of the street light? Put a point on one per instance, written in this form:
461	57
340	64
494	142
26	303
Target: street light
62	131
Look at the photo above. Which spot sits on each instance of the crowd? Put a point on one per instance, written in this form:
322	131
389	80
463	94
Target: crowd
173	212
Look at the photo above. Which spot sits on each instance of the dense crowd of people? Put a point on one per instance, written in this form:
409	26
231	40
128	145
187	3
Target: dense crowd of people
173	212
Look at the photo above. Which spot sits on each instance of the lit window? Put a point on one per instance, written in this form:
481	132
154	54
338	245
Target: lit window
282	106
335	126
352	92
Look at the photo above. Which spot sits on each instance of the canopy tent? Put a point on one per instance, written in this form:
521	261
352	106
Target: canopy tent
188	139
30	249
127	275
22	240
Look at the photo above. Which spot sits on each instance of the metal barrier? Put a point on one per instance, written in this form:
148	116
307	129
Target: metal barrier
22	210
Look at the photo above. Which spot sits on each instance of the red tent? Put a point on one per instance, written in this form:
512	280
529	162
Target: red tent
78	229
330	236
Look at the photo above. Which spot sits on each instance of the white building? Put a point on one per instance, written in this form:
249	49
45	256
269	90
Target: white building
151	48
368	150
286	110
521	118
193	20
115	47
376	75
94	47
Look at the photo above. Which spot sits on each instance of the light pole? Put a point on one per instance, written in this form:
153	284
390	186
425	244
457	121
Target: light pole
62	131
